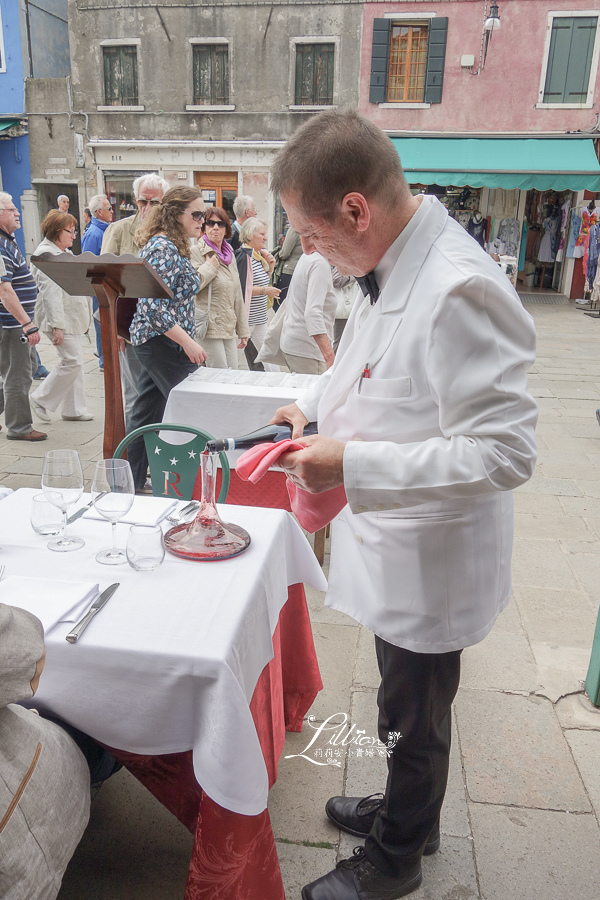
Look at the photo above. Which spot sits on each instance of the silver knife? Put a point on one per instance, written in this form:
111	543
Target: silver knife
84	509
95	607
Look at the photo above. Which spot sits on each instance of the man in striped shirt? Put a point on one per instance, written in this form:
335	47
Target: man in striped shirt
18	293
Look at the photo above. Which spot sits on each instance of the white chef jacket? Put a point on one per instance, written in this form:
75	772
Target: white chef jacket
437	438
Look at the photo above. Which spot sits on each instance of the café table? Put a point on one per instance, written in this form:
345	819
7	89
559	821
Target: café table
190	673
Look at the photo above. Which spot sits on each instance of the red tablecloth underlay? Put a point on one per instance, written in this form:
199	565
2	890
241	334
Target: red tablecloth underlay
235	856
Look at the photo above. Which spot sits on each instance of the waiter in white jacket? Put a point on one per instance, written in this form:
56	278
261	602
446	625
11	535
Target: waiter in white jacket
426	420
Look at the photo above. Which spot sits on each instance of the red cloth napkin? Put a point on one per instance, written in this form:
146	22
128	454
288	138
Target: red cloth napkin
313	511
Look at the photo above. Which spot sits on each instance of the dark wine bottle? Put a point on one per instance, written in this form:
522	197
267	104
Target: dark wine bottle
270	434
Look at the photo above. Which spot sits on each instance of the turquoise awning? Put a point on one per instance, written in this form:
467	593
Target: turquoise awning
5	124
545	164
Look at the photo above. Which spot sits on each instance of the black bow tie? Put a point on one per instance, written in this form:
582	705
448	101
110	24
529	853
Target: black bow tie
369	287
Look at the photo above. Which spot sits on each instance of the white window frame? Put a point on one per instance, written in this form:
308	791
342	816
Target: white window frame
3	64
190	107
412	18
569	14
121	42
314	39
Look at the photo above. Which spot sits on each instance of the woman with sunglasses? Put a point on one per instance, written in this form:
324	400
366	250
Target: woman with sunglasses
162	330
221	294
64	320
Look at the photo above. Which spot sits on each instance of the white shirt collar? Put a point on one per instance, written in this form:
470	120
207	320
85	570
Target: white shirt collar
385	266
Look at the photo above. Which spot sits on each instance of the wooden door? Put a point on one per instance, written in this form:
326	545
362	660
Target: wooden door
218	189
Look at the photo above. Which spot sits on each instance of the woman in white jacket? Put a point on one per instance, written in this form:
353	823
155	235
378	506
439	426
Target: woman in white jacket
63	319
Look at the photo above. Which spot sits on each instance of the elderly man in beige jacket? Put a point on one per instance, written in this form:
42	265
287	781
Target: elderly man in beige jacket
44	777
119	238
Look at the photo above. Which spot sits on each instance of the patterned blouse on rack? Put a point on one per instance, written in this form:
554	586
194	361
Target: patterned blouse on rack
155	315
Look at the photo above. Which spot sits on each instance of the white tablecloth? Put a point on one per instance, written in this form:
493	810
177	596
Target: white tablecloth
171	662
230	402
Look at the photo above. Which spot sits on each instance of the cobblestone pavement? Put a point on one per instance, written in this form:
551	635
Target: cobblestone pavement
521	815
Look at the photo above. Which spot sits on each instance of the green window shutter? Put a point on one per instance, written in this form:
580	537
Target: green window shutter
210	72
120	76
129	76
436	57
570	59
323	90
314	75
305	59
221	75
380	54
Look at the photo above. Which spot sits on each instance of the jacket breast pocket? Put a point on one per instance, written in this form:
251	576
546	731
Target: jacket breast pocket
386	388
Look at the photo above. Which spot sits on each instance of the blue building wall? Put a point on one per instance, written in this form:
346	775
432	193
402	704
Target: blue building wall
14	152
12	85
16	173
49	33
45	25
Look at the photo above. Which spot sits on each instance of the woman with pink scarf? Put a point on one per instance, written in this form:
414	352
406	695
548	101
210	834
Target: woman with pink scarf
221	293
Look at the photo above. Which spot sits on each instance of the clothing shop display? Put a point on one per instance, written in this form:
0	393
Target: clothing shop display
592	256
477	228
508	233
547	251
573	233
523	246
504	204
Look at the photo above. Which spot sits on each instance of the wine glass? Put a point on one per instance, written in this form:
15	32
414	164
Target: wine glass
113	492
62	483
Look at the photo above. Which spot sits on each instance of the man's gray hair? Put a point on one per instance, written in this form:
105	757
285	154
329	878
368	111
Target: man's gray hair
334	154
5	198
62	197
153	181
96	203
250	227
241	203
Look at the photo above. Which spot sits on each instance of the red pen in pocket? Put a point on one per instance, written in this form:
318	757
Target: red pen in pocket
366	373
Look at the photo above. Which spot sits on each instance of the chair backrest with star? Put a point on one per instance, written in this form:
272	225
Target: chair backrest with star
174	467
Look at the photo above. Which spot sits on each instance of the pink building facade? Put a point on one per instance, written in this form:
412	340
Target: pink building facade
505	97
502	123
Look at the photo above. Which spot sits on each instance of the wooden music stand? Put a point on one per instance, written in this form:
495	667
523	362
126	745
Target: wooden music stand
107	277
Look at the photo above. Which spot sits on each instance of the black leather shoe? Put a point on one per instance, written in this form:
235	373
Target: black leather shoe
356	815
358	879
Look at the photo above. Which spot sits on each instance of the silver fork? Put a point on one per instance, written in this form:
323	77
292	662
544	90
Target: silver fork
176	518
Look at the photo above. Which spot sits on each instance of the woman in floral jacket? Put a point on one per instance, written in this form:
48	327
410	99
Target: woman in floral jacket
162	331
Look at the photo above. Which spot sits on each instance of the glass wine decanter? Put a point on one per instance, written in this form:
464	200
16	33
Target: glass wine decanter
207	537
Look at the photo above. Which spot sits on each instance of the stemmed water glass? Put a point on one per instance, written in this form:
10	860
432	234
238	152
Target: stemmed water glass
62	483
113	493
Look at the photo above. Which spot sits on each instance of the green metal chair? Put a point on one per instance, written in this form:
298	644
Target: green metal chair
174	467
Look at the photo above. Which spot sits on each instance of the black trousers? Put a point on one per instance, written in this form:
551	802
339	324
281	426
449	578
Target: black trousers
164	365
415	699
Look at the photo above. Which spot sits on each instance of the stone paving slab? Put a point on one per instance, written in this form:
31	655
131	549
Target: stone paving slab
538	564
514	752
577	711
561	669
585	746
543	614
300	864
133	848
297	800
364	773
367	671
560	527
336	651
500	662
524	853
559	487
538	504
509	620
